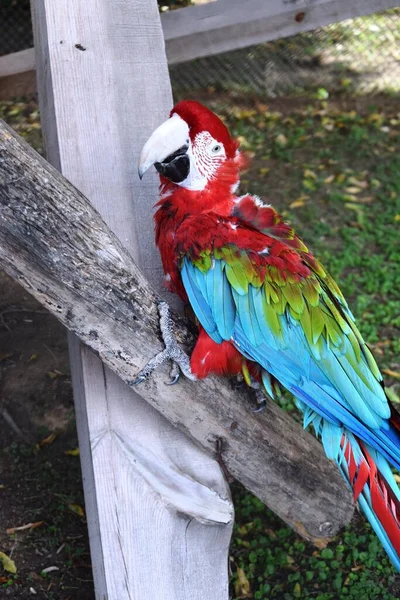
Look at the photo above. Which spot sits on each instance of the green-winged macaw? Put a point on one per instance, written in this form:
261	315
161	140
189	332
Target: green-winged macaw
268	309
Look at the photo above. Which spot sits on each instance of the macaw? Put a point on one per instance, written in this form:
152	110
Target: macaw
267	309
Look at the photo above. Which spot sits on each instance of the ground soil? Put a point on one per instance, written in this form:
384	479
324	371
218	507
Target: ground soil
38	481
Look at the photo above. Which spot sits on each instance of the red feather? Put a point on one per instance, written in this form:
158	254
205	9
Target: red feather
384	503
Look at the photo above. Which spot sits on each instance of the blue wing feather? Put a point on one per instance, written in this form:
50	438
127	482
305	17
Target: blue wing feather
323	381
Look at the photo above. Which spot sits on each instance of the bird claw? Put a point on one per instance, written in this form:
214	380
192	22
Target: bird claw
137	380
174	374
172	351
174	380
261	401
262	405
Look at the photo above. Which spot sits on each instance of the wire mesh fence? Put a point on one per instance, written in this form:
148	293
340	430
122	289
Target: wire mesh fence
361	55
15	26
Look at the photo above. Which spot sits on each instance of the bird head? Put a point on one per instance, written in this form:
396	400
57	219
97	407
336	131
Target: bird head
190	147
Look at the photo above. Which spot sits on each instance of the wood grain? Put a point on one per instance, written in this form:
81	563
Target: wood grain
58	247
225	25
103	87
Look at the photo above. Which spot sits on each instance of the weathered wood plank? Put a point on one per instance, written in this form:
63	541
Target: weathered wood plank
103	86
225	25
17	74
56	245
17	62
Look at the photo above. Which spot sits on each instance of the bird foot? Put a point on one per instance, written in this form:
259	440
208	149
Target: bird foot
260	400
180	360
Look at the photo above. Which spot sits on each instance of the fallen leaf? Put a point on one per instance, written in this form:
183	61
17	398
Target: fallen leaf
394	374
358	183
320	543
297	590
242	585
49	570
281	140
264	171
78	510
8	564
32	358
397	218
12	530
353	190
289	559
329	179
297	203
48	440
72	452
341	177
359	212
308	174
375	183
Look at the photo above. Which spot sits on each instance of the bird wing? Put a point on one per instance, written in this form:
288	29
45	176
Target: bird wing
291	318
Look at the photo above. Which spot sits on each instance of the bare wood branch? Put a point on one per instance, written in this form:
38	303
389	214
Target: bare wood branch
57	246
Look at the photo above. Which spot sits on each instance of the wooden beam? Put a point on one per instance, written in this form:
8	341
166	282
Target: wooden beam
56	245
17	74
103	86
17	62
224	25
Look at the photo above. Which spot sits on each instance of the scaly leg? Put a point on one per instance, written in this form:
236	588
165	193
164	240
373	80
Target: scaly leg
180	360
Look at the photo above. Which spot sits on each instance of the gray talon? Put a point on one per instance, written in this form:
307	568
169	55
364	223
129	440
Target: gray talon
262	405
172	351
173	380
260	399
137	380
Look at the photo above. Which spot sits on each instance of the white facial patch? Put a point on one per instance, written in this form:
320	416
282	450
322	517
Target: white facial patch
206	155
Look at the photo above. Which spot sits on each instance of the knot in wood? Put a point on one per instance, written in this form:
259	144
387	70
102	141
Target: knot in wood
326	528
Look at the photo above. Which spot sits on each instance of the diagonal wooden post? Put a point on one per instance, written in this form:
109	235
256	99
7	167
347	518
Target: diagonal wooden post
103	87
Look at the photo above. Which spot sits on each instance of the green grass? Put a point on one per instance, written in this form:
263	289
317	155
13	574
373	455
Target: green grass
333	169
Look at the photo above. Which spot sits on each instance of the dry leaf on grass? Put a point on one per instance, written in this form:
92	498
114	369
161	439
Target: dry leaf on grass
12	530
8	563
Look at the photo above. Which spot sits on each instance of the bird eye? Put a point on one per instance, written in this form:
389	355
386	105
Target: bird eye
215	149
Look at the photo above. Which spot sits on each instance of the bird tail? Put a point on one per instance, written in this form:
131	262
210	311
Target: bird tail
370	477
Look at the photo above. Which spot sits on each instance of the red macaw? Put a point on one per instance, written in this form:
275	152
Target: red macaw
268	309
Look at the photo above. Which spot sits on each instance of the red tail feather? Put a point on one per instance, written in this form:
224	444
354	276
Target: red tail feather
384	502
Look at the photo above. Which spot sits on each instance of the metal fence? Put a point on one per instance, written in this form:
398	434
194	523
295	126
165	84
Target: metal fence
358	55
15	26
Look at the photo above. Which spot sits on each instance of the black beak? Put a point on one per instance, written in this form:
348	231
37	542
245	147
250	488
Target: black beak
176	166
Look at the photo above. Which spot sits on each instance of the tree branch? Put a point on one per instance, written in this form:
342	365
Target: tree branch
56	245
